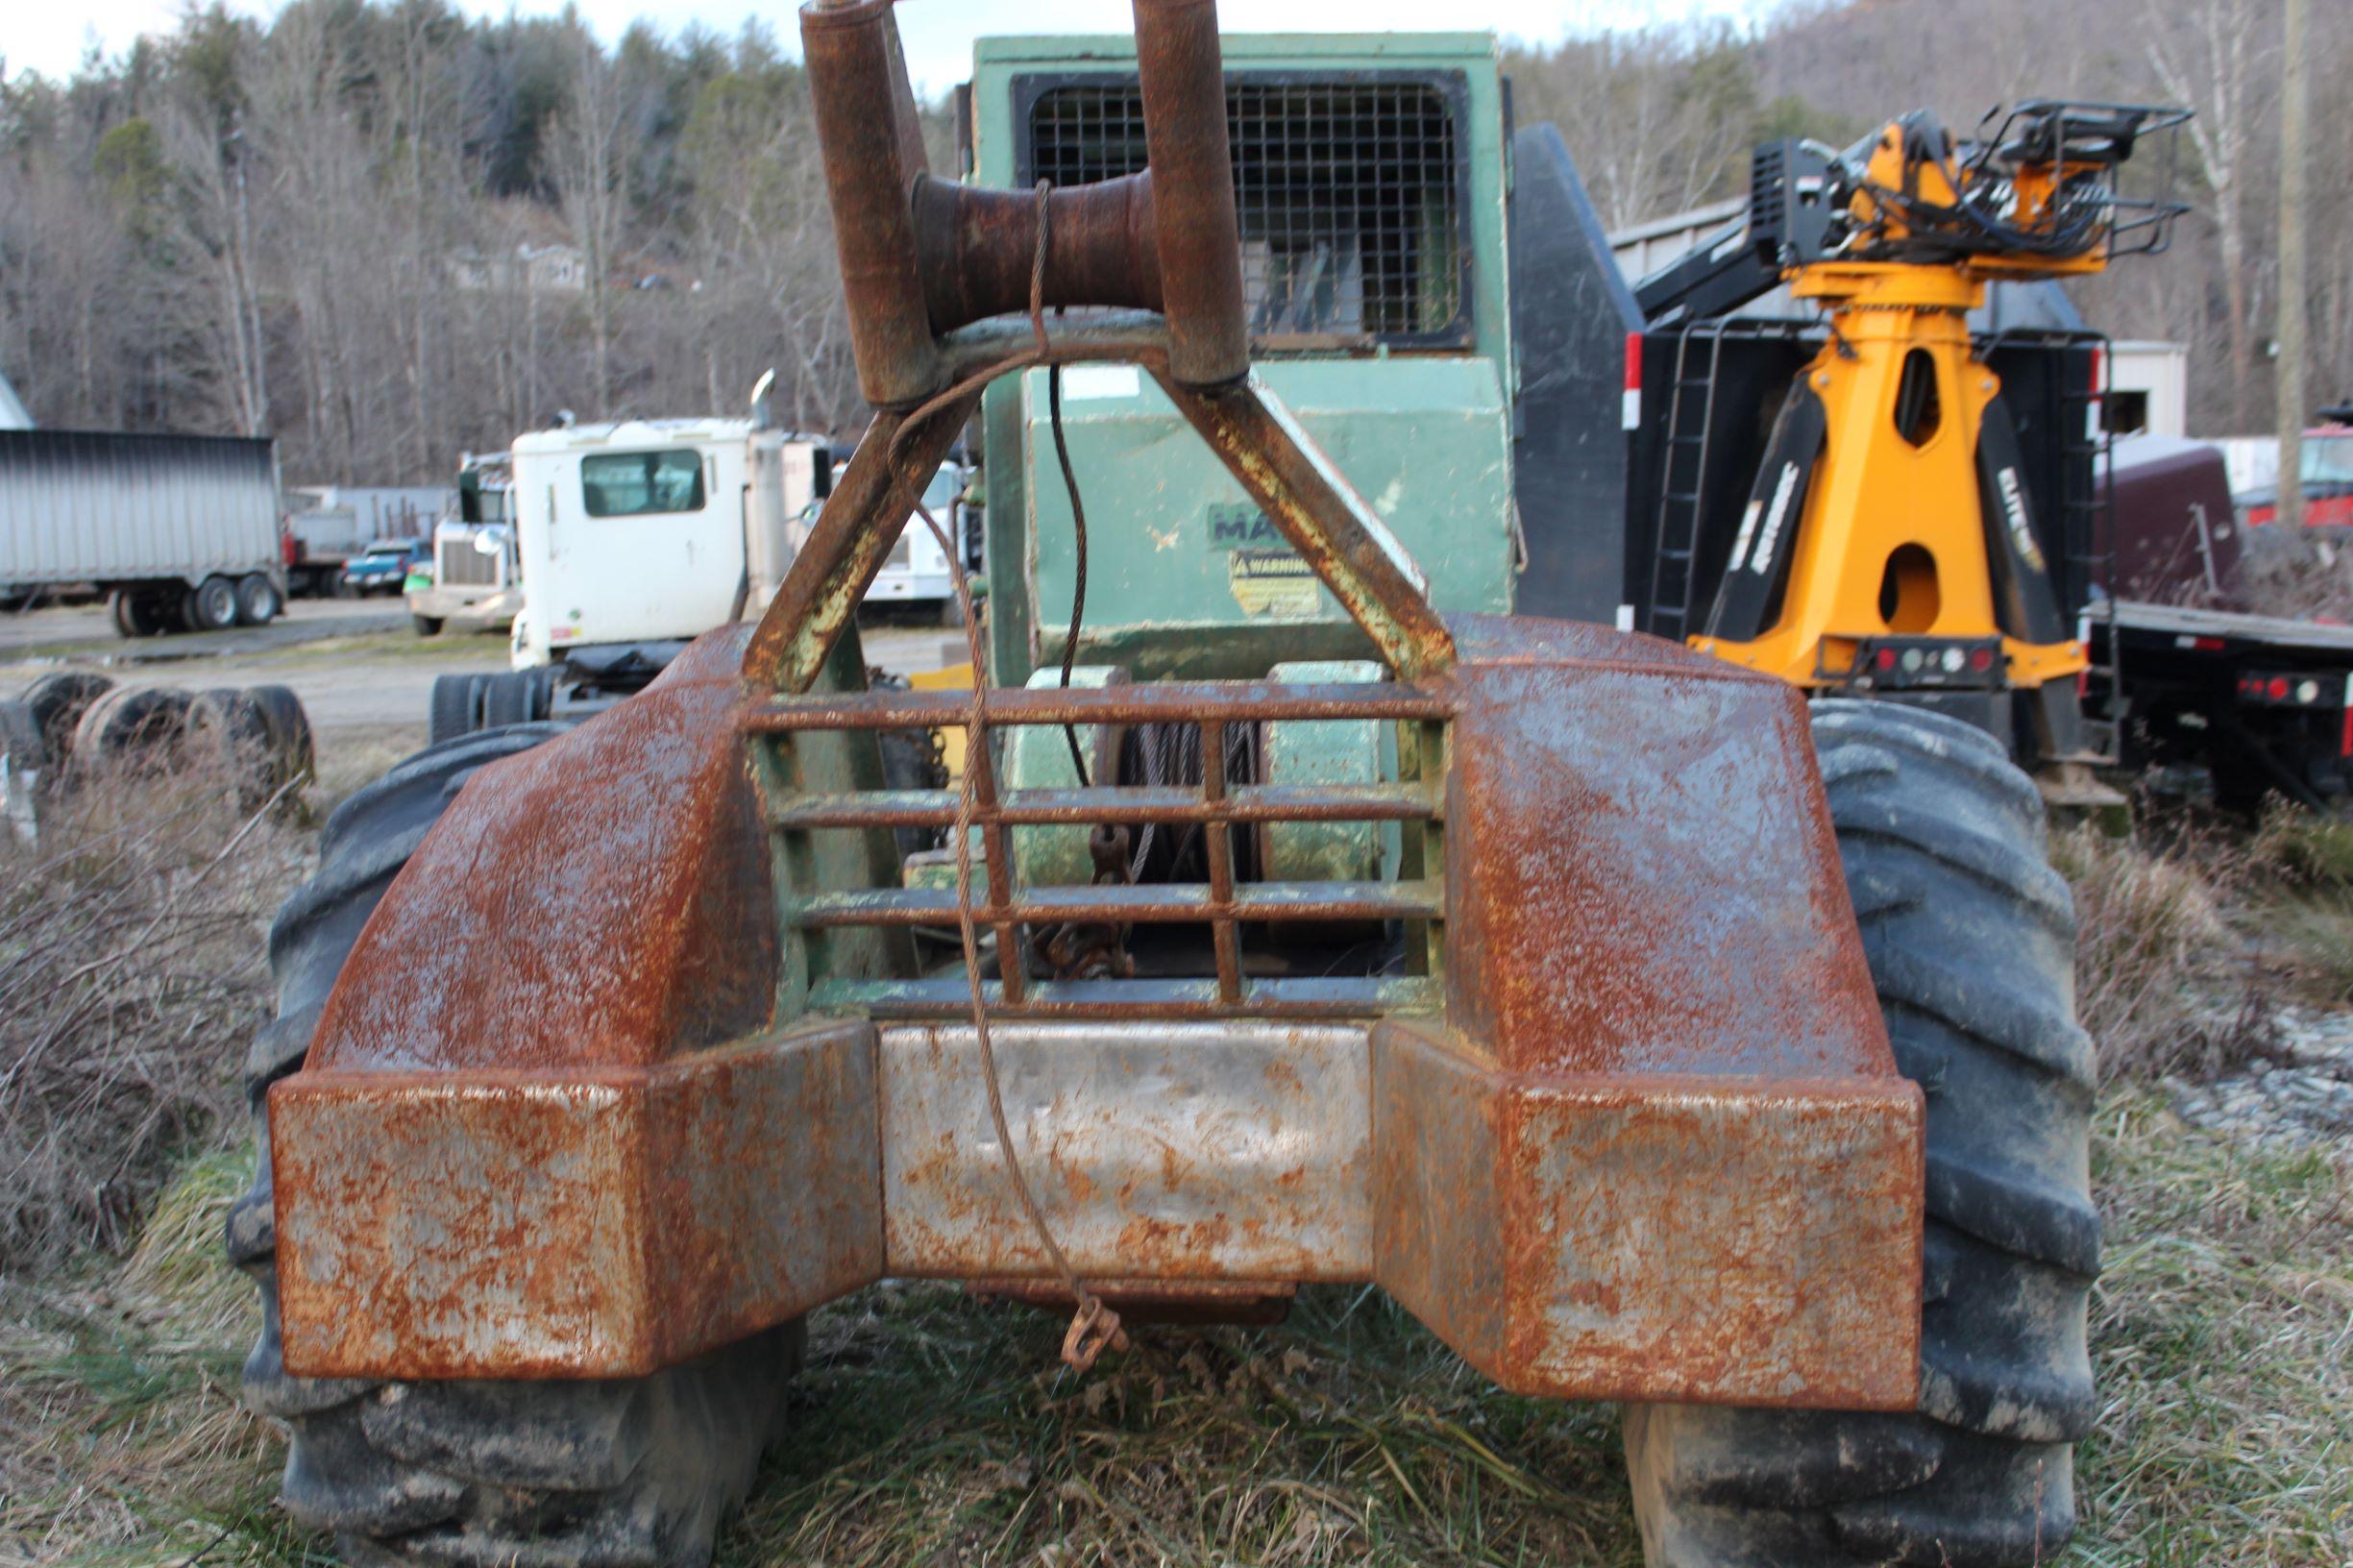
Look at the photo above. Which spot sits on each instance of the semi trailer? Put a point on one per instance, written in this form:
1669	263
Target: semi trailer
181	532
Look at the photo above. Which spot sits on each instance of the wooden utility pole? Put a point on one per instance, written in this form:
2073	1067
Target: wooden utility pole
2295	289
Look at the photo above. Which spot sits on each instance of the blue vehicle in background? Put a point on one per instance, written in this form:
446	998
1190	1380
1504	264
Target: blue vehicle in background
383	567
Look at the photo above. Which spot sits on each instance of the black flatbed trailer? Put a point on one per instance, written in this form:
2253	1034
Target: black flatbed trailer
2263	702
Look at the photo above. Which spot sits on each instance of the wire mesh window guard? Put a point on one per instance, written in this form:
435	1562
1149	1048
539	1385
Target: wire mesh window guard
1348	193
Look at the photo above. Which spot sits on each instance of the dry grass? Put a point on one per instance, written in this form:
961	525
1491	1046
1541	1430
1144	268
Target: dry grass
933	1429
2164	979
121	1440
2222	1335
2299	579
130	977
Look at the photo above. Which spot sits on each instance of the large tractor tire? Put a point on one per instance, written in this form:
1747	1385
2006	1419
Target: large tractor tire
1971	938
614	1474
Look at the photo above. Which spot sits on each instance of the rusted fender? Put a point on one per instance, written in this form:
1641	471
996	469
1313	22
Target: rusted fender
601	901
1641	874
508	1152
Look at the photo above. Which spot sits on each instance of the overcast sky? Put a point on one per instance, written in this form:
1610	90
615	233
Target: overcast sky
52	35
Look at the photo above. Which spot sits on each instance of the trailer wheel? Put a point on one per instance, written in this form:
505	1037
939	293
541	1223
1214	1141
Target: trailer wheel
1970	939
212	605
137	613
425	625
58	702
258	599
621	1472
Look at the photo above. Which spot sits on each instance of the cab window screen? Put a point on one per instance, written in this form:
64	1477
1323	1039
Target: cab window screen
641	484
1347	192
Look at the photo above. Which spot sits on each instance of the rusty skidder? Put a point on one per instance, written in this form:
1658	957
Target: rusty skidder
1509	963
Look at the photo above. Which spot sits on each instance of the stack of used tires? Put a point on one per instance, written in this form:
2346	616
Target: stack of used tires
215	604
73	726
469	703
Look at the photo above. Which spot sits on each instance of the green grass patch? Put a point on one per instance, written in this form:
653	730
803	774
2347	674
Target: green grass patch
2221	1332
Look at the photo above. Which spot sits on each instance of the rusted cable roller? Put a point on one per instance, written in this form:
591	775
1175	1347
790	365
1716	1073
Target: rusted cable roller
976	248
920	256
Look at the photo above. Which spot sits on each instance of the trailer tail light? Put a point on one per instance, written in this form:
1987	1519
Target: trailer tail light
2295	689
2100	384
1980	659
1630	404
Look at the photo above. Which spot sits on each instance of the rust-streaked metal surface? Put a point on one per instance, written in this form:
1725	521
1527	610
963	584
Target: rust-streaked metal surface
1159	703
977	249
1633	1132
1709	1237
601	899
607	1221
1647	880
1158	1151
1256	1302
818	598
871	145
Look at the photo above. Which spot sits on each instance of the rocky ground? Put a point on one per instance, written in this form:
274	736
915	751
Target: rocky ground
2298	1093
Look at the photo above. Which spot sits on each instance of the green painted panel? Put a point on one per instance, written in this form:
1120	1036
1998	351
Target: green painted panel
1185	575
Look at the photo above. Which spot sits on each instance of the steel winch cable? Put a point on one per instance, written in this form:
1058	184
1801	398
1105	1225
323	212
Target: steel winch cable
1093	1326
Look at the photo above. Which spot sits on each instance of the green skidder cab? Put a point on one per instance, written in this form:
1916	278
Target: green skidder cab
1312	913
1370	175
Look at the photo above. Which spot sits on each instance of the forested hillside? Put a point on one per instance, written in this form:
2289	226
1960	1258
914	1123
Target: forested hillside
386	234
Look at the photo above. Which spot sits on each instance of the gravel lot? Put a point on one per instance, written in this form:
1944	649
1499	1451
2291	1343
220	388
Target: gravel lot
358	669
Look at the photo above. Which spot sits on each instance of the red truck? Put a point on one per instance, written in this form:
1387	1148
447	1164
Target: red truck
2327	474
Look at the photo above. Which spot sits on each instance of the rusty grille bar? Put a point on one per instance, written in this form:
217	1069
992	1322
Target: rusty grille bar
1224	902
1163	703
1139	903
1184	998
1250	804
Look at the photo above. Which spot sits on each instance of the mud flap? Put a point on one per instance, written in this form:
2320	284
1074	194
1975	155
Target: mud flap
1758	571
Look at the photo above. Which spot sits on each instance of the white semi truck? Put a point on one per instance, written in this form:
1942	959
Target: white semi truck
635	538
